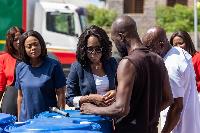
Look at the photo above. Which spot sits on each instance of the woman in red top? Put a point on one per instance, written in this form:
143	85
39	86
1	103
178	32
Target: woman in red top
8	62
182	39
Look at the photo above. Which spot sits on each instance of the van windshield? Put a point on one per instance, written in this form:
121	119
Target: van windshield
84	22
61	23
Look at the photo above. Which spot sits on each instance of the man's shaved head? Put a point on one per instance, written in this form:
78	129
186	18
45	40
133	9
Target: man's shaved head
152	35
156	40
124	24
124	34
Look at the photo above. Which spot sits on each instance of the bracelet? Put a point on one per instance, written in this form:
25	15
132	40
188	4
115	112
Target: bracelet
88	98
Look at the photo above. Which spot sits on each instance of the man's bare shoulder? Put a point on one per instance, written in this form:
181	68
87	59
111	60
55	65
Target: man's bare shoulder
126	65
125	62
126	72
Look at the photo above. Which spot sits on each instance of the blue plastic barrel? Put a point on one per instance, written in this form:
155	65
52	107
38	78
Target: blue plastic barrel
63	131
105	122
53	124
6	119
74	131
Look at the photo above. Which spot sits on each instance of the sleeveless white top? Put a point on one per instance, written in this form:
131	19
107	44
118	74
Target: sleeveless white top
102	84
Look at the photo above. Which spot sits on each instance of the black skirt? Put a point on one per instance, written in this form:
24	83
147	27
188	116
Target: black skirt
9	102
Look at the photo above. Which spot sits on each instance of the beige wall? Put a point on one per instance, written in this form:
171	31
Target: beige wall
143	20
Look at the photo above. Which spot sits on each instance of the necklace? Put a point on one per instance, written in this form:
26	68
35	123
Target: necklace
96	67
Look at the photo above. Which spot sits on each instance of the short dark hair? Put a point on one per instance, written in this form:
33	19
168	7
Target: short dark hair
10	36
81	52
23	55
187	40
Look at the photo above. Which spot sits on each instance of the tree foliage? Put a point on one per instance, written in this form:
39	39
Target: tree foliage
176	18
101	17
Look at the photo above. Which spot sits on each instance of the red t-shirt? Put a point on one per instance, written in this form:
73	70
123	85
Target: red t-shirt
7	68
196	64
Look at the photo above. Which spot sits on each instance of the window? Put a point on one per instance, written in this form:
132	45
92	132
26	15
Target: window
182	2
60	23
84	22
173	2
133	6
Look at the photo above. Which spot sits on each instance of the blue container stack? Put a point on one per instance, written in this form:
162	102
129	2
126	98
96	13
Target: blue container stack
105	122
53	125
56	123
5	120
74	131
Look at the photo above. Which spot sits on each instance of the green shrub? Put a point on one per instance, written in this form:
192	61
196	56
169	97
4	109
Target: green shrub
176	18
101	17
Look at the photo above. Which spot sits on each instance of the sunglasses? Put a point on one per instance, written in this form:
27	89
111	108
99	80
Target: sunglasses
97	49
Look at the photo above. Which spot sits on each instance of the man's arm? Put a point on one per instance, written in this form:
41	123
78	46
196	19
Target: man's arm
126	74
61	97
19	102
173	115
167	97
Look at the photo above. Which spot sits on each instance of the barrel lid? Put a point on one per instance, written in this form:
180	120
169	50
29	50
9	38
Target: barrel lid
7	118
57	119
52	124
72	114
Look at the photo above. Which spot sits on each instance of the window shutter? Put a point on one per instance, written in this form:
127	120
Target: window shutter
139	6
133	6
128	8
173	2
182	2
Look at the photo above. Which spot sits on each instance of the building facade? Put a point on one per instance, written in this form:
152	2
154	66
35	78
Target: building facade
143	11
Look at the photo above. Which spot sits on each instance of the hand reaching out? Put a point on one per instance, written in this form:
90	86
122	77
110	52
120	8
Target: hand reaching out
104	100
99	100
110	97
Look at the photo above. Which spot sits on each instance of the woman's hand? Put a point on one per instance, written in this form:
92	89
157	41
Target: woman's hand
110	97
97	99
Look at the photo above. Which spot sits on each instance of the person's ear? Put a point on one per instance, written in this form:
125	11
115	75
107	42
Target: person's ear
122	36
